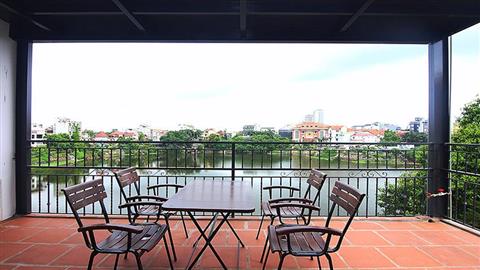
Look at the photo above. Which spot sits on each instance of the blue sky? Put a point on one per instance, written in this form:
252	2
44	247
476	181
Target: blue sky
229	85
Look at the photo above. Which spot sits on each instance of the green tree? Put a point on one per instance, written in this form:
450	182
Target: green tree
467	126
406	196
465	158
390	137
76	132
415	137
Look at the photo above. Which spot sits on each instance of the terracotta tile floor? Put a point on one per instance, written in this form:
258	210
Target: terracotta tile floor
53	243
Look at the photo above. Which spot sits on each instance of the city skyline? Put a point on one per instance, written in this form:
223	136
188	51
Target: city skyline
225	86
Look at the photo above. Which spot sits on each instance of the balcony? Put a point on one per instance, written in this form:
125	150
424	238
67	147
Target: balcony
389	232
438	178
373	243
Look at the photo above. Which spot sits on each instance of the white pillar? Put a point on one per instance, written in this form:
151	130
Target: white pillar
7	122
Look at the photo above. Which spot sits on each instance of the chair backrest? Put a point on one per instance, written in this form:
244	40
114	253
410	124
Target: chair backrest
83	195
347	198
127	177
316	179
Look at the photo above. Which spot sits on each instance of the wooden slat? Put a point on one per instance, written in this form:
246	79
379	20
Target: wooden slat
114	239
90	200
127	176
84	194
342	203
349	189
346	197
316	179
82	186
352	200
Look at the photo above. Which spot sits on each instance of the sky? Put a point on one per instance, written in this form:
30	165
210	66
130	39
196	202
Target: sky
226	86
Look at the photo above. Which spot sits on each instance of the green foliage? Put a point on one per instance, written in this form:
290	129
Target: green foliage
90	133
182	135
415	137
390	137
467	126
406	197
465	158
261	137
76	132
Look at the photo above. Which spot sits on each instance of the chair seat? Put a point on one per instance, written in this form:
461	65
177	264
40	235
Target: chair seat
147	210
302	244
143	241
286	212
152	210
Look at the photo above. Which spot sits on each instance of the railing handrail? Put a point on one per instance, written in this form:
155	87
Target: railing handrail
230	142
464	144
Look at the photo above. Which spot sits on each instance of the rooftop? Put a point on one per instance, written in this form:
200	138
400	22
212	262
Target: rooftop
394	243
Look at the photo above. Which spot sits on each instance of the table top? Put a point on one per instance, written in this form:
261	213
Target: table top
213	196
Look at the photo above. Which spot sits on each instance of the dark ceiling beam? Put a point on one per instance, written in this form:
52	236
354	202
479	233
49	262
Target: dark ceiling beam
243	18
23	16
255	13
129	15
356	15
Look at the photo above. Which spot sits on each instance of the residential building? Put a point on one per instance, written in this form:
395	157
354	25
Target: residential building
377	125
145	130
339	133
65	125
102	136
156	134
38	132
364	137
285	132
115	135
418	125
208	132
268	129
249	129
310	132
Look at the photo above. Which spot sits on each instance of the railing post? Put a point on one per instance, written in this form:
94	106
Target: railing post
233	162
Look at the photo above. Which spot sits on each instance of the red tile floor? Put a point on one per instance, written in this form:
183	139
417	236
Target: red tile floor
53	243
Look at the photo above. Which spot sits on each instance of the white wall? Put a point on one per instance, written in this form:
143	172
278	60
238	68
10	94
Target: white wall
7	122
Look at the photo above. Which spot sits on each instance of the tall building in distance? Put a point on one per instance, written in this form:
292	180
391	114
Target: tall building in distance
418	125
318	116
308	118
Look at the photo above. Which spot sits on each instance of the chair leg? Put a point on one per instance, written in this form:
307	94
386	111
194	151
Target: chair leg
171	238
116	261
139	261
265	262
264	249
282	257
319	264
260	227
168	252
90	261
330	263
184	226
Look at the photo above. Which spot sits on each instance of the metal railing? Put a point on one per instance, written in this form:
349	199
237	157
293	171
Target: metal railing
464	177
394	176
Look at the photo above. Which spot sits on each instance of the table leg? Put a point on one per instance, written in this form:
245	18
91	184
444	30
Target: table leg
234	232
206	228
208	239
